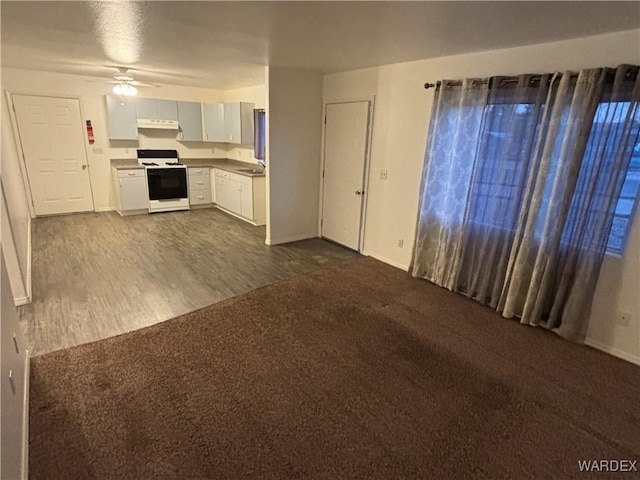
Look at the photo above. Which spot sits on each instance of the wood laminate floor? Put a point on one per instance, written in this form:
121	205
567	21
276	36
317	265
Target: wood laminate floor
96	275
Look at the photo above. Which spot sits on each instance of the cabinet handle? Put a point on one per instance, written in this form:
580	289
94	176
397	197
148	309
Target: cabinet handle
15	343
131	173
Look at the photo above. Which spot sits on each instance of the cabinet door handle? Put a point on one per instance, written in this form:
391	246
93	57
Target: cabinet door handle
131	173
12	382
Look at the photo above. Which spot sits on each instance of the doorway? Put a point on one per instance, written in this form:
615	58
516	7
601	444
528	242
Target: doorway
345	167
52	140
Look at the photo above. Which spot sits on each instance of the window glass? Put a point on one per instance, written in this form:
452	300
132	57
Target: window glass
502	168
259	134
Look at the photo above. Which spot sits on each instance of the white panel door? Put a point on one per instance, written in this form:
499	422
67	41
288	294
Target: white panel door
52	137
345	153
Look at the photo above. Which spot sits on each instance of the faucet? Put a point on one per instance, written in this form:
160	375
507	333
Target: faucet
262	163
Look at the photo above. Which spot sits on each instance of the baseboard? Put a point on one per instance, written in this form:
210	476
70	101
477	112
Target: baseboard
22	300
105	209
25	418
128	213
292	238
233	214
613	351
390	262
203	206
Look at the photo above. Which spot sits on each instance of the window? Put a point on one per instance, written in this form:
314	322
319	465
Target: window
502	168
259	134
625	207
610	115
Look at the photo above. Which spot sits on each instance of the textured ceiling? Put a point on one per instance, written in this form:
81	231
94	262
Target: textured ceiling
227	44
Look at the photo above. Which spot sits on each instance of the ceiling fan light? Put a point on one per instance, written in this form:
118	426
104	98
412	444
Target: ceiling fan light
125	89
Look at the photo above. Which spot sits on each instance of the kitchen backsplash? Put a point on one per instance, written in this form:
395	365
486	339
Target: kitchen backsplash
165	139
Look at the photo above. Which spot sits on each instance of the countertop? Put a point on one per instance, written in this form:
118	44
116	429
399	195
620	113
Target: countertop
234	166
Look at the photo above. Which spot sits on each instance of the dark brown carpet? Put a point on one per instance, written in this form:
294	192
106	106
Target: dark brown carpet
354	371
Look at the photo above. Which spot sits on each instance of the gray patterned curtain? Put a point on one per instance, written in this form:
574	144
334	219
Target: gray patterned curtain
520	184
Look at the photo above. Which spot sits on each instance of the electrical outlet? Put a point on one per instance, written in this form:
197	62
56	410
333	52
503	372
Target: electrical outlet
623	319
97	150
400	242
383	174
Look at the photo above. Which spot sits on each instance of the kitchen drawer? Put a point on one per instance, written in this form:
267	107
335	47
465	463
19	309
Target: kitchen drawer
134	172
197	182
199	171
241	179
200	196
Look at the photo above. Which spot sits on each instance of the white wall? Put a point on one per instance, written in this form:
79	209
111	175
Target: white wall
401	119
94	109
294	129
15	214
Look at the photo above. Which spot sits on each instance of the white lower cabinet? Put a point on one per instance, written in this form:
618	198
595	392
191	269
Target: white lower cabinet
246	199
131	191
227	192
241	195
199	186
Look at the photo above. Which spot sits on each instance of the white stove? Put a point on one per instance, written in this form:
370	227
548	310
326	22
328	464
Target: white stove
166	180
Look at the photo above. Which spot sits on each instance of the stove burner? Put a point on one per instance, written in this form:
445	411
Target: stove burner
149	164
173	163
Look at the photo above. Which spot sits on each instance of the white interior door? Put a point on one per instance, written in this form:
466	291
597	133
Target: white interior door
51	133
345	154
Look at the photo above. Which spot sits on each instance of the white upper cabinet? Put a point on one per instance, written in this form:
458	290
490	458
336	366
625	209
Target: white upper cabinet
190	120
156	109
228	122
209	122
121	118
238	123
213	117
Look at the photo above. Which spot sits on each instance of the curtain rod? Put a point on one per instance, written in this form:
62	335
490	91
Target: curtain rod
631	74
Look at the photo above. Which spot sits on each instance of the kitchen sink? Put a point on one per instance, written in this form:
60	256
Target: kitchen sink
251	170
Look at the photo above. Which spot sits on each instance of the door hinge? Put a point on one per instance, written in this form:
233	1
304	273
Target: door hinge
323	173
321	222
325	119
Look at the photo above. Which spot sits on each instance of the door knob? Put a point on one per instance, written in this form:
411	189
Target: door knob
358	192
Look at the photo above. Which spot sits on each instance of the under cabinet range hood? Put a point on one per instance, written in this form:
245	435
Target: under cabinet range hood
158	124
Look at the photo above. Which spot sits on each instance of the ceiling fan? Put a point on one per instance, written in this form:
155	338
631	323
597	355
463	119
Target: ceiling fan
125	83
